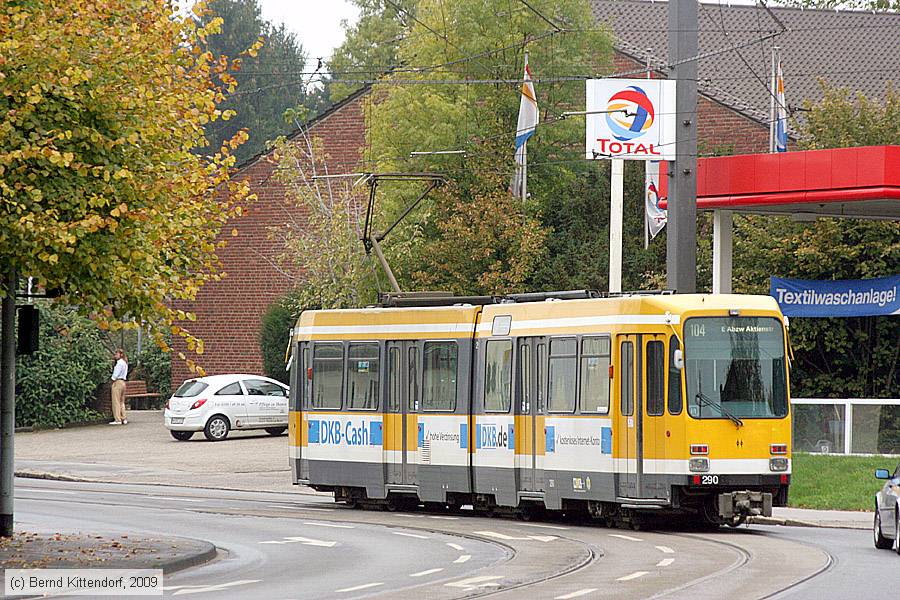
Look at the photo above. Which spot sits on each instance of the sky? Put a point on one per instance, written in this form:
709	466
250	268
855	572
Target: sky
317	23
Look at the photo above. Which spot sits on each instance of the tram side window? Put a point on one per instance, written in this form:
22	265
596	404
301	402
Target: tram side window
498	375
627	385
563	365
362	377
674	378
328	372
413	375
393	399
439	373
655	370
595	374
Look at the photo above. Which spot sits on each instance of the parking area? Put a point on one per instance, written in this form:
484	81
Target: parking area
144	452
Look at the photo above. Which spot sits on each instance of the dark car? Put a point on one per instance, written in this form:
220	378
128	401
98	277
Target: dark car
887	511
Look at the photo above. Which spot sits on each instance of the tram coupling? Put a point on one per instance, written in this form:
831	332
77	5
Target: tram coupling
744	504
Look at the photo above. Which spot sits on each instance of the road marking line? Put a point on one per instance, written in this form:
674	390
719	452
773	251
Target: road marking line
424	573
42	490
462	559
408	516
445	518
335	525
503	536
364	586
625	537
301	540
174	498
544	526
199	589
316	509
412	535
665	562
476	582
577	594
634	575
455	546
665	549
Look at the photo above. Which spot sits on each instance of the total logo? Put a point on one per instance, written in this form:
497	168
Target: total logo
630	114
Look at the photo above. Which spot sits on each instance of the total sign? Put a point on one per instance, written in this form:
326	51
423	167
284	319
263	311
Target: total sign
630	118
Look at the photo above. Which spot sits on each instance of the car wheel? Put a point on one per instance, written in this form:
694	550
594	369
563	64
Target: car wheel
182	436
275	430
881	542
216	428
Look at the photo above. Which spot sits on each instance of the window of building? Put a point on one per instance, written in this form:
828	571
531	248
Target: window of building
595	374
498	375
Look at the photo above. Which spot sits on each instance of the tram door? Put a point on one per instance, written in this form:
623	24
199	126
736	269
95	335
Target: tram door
529	413
629	423
653	422
400	410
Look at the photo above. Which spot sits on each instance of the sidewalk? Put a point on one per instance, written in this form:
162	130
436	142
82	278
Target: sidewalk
57	550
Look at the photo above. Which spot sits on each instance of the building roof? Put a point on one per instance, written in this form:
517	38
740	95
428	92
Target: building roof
309	124
854	49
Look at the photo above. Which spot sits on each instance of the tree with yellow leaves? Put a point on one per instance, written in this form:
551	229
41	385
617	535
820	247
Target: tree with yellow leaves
100	192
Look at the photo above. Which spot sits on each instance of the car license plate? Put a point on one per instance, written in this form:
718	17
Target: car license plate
177	420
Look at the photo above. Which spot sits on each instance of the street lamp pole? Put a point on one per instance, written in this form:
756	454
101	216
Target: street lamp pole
7	405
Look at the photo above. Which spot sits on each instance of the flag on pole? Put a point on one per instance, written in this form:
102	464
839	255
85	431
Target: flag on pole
780	111
528	120
655	217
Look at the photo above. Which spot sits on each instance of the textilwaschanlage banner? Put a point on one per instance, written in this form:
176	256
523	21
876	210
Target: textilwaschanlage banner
840	298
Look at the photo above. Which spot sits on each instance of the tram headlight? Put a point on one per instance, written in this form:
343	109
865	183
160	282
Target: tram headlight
778	464
699	465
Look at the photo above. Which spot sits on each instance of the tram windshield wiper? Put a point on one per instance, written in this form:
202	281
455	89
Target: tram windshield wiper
704	400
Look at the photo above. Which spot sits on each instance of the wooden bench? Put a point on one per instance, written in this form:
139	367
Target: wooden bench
138	398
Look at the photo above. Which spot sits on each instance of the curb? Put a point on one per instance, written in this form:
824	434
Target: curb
799	523
76	479
191	560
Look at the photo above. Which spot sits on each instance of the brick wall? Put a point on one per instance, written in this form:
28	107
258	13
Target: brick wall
229	311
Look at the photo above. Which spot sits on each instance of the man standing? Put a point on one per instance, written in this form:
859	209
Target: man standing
120	373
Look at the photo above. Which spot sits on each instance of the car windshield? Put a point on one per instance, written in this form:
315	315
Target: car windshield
190	388
735	368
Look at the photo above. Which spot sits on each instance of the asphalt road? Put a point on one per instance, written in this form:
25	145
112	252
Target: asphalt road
277	545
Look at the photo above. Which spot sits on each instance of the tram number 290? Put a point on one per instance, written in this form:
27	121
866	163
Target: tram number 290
709	480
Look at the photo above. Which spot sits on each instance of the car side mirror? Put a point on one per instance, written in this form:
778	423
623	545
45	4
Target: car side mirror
678	359
882	474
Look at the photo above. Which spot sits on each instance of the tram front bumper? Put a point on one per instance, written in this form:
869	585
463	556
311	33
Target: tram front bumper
750	503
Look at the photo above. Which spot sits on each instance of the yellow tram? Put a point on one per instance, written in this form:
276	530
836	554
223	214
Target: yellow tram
572	401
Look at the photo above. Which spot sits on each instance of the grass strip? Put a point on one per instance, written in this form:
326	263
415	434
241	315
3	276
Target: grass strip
829	482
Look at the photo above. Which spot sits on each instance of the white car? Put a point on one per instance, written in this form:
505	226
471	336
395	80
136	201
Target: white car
219	403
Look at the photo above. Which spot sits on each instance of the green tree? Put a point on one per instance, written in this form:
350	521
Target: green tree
429	109
100	192
56	384
274	335
268	84
853	357
370	45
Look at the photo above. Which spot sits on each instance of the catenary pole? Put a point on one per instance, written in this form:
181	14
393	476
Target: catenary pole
7	404
681	240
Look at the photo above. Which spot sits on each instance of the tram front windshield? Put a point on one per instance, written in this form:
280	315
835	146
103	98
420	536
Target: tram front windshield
735	368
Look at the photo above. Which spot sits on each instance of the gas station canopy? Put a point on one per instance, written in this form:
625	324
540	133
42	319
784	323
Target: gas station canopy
862	183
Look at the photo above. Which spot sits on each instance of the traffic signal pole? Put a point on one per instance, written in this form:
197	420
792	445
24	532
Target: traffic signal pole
7	404
681	239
